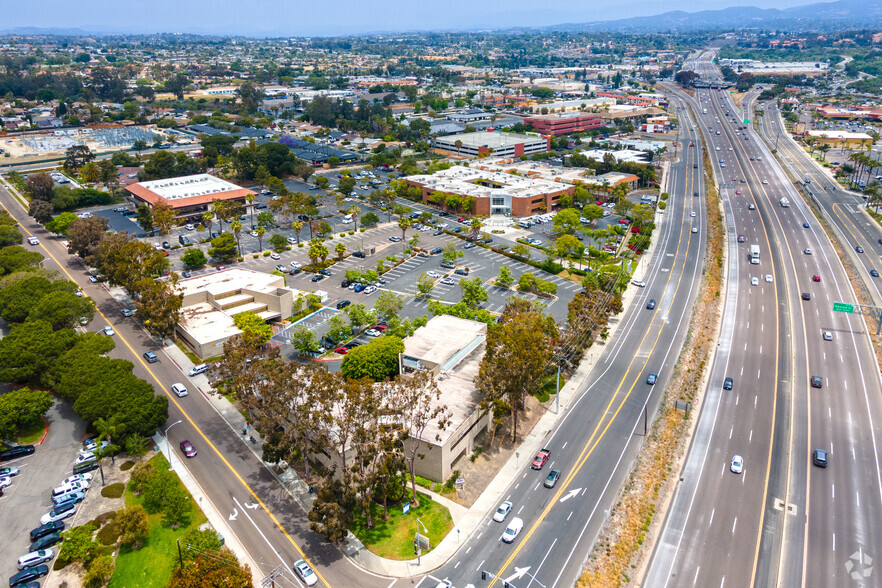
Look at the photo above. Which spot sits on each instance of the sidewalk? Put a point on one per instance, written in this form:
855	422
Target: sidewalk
465	520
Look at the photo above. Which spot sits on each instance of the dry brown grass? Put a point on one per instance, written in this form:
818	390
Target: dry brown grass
617	552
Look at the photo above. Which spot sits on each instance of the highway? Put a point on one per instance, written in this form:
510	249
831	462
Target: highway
595	442
781	522
276	532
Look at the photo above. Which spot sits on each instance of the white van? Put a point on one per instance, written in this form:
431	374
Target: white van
198	369
35	558
179	389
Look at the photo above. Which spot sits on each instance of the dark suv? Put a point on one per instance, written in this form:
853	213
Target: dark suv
15	452
727	384
819	458
28	575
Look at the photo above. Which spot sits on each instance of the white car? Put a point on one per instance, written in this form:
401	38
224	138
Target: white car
502	511
179	389
448	281
373	333
295	264
347	221
58	513
5	481
765	181
33	241
127	312
694	229
84	457
292	240
78	478
433	274
737	465
769	278
828	336
305	572
370	289
513	529
253	233
189	227
639	283
692	214
275	256
108	330
754	281
807	251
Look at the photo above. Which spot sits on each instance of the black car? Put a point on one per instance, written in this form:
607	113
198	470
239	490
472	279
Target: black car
345	283
166	245
358	254
215	235
817	382
46	541
463	271
819	458
443	214
27	575
15	452
457	230
437	232
325	272
303	217
294	271
318	278
47	529
186	274
806	296
437	250
651	304
343	304
727	384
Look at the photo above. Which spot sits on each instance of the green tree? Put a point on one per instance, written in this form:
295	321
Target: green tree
340	250
304	341
224	248
84	234
473	292
22	408
213	568
369	219
29	349
76	157
360	316
505	278
425	285
278	242
346	185
78	544
62	310
60	224
253	326
317	250
193	258
158	306
133	526
39	186
567	221
99	572
377	360
388	305
163	217
451	253
41	211
18	259
144	217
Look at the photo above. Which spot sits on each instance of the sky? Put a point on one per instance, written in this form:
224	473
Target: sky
336	17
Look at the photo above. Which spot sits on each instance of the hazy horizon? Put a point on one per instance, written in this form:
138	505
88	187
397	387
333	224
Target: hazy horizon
348	17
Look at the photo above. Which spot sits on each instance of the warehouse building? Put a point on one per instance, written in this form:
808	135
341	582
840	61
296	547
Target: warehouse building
487	142
564	124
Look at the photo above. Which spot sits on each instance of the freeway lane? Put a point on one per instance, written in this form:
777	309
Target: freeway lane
788	550
275	534
595	443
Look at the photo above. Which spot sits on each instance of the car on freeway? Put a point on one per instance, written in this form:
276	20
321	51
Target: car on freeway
738	192
651	304
765	181
28	575
817	382
728	383
828	336
874	273
737	465
652	379
373	333
859	249
552	478
807	251
806	296
540	459
188	448
741	239
751	206
805	225
33	241
305	572
513	529
448	281
769	278
819	458
58	513
502	511
694	229
816	278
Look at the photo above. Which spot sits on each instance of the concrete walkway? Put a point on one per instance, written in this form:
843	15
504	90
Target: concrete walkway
466	520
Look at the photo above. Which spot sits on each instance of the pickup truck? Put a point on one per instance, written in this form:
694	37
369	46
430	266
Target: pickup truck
540	459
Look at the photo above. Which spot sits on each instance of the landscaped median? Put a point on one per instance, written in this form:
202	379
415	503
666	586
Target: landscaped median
394	538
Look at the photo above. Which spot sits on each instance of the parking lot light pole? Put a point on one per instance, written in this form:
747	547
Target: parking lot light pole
170	467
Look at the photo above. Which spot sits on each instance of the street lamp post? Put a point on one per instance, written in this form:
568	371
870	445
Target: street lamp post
416	540
170	467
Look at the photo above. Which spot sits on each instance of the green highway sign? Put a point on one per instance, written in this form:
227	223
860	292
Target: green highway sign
843	307
747	121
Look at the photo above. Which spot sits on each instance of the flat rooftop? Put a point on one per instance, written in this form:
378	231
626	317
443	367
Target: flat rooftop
841	135
219	283
463	180
188	186
490	139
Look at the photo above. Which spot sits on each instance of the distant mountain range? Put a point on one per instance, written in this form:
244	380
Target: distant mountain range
843	14
827	16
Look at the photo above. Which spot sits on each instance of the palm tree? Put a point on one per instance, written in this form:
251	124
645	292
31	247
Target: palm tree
260	233
340	249
404	223
207	219
249	199
237	230
297	225
354	210
476	226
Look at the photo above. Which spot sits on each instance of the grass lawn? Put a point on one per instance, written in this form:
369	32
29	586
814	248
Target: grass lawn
394	538
29	435
153	564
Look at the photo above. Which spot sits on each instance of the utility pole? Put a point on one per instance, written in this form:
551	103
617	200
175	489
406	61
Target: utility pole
180	555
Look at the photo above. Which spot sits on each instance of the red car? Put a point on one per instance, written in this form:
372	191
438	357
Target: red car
380	328
816	278
540	459
188	449
342	350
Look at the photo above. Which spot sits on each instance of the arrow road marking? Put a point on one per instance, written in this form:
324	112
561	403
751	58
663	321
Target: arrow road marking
251	506
235	514
571	494
519	573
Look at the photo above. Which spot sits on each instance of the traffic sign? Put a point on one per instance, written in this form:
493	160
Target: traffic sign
406	508
747	121
843	307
